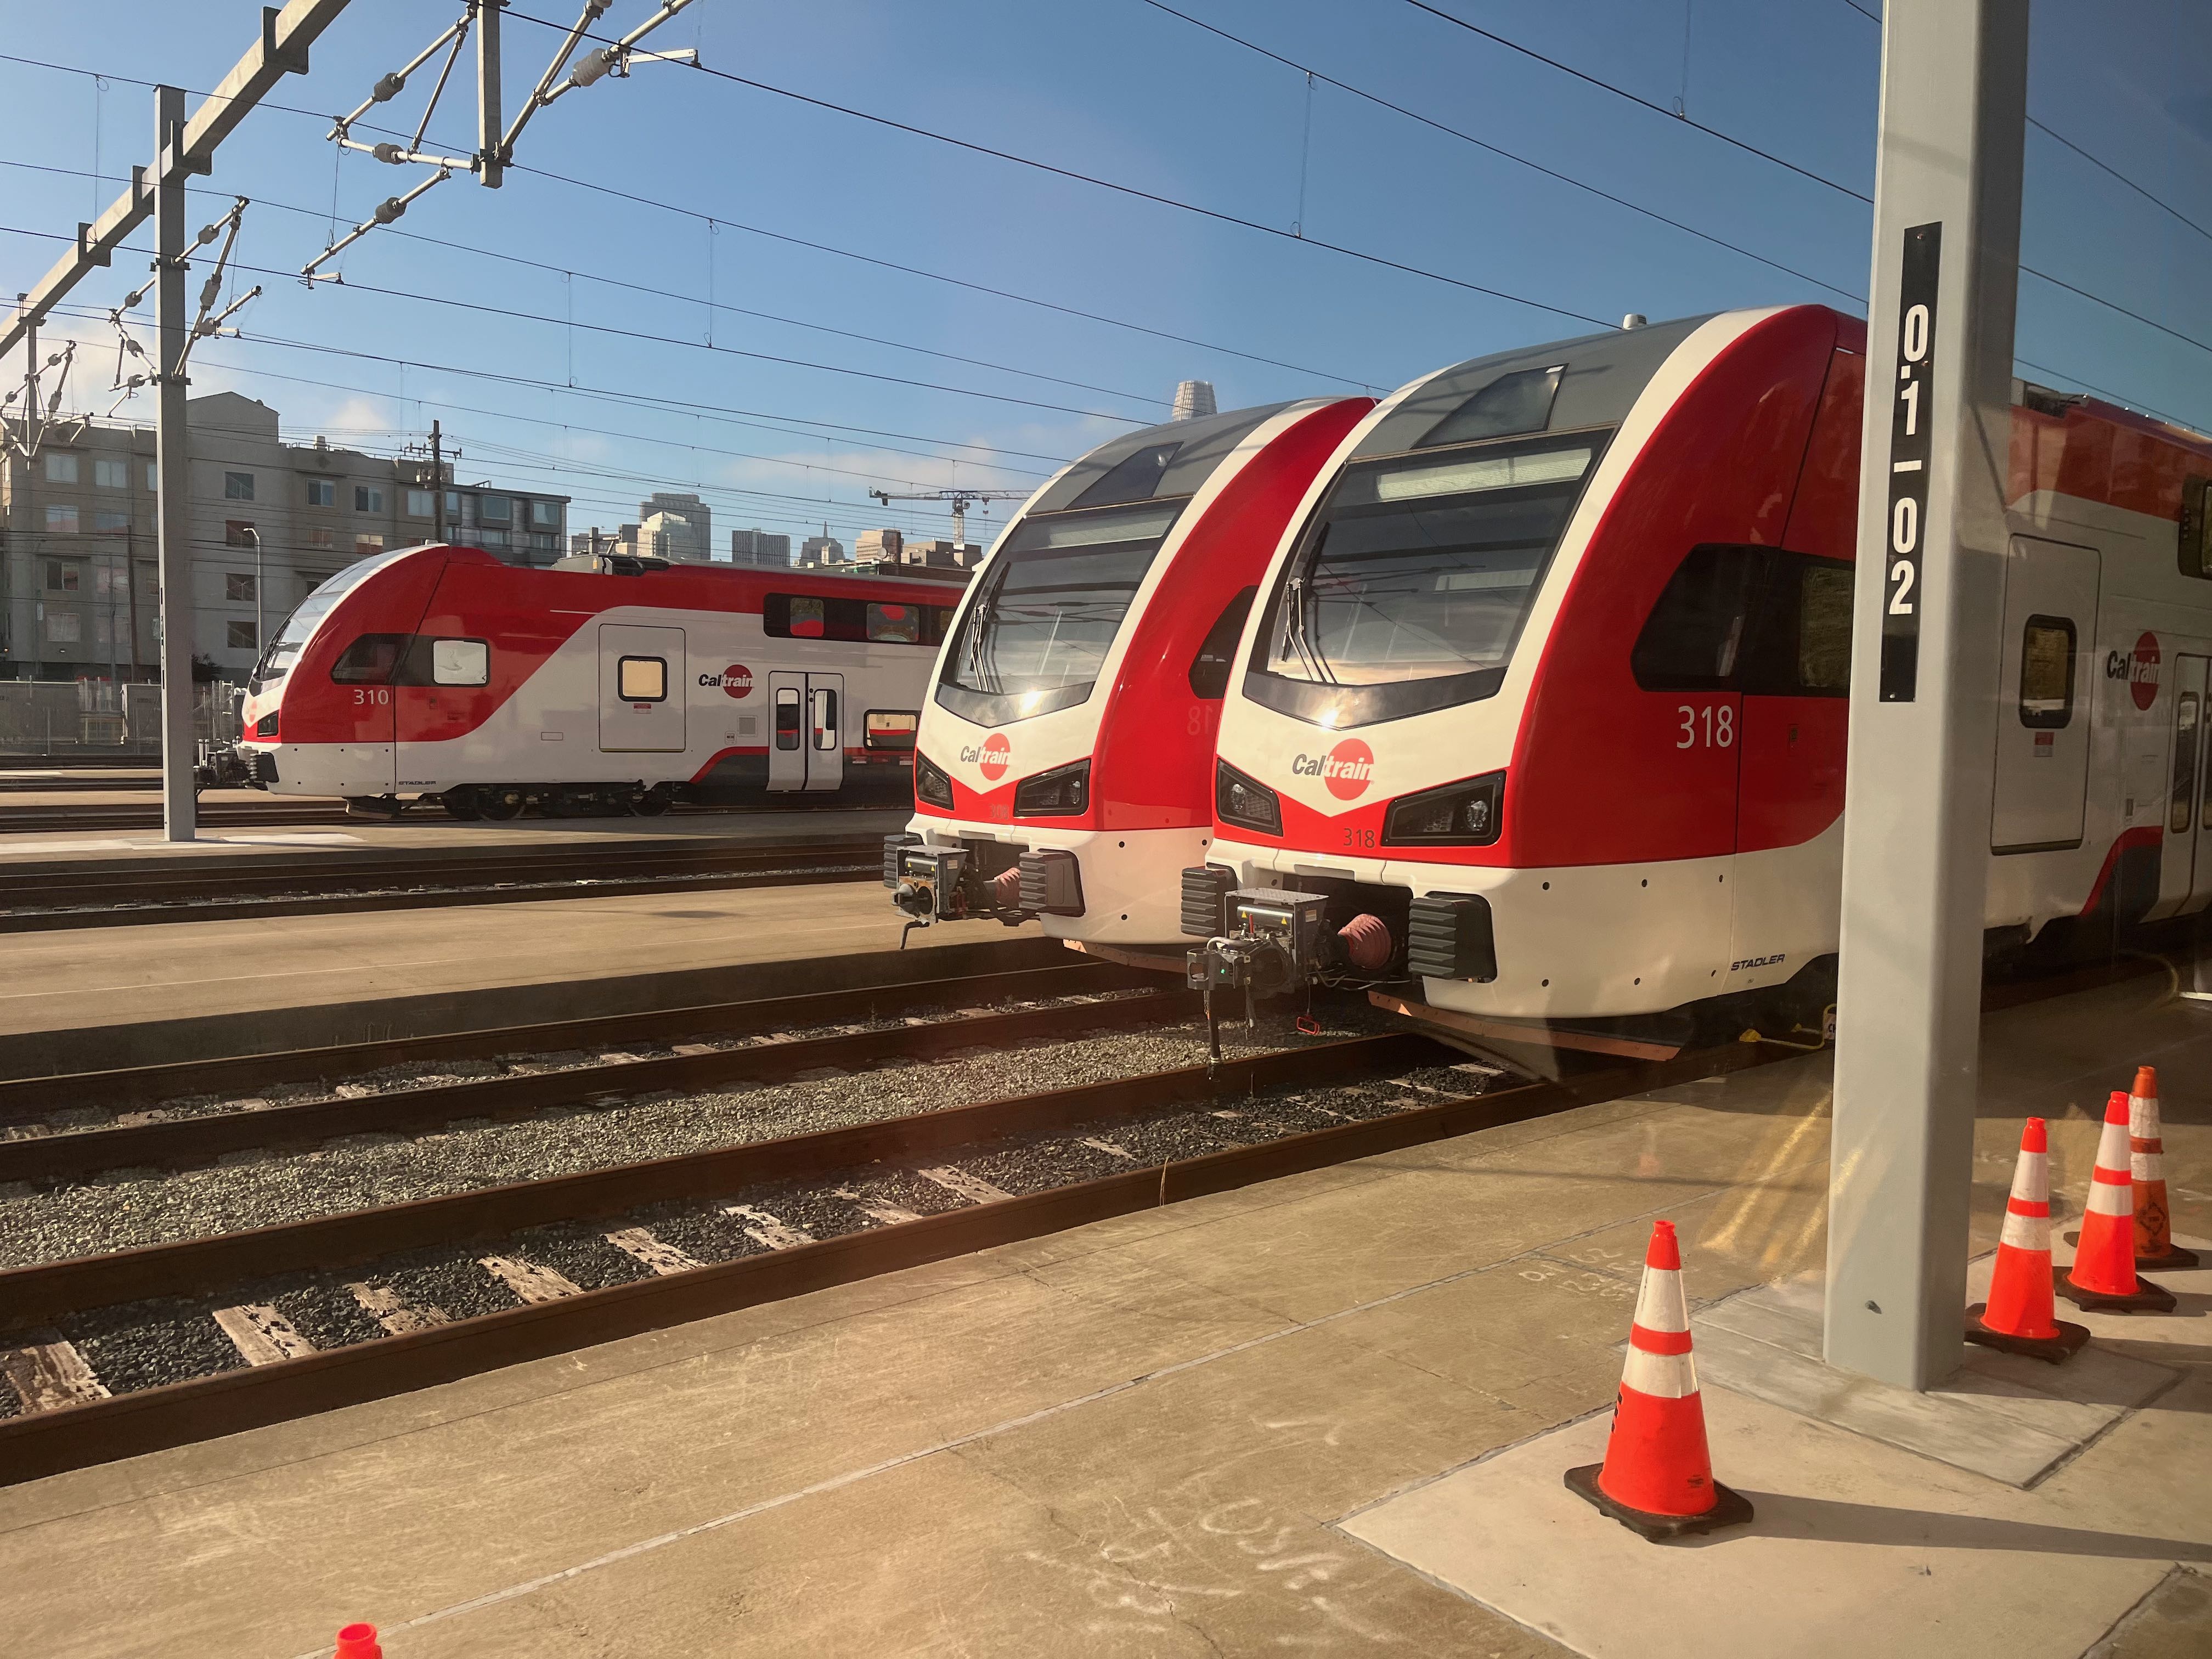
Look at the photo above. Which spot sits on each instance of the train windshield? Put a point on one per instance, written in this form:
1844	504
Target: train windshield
1038	629
285	649
1413	580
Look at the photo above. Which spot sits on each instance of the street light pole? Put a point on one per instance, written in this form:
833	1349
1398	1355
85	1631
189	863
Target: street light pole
260	608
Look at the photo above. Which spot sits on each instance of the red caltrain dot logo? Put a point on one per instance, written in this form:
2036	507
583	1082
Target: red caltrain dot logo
1348	769
738	680
998	754
2142	682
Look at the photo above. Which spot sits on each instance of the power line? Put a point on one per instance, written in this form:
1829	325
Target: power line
1098	183
1623	92
754	230
1469	137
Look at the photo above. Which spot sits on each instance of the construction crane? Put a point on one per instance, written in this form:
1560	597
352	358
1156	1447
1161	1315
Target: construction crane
959	498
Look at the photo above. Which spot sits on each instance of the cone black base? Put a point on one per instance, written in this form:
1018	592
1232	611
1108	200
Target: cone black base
2149	1298
2070	1341
2176	1260
1730	1508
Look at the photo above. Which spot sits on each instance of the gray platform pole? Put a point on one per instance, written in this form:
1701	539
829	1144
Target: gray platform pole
172	469
1924	689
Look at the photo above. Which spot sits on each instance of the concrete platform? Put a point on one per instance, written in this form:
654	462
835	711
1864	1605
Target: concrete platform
1175	1433
357	837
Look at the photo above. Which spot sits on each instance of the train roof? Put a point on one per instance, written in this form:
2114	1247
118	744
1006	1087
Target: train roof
1157	463
656	575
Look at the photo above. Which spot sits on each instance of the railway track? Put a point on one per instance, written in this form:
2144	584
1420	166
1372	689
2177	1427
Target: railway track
53	896
278	811
279	1321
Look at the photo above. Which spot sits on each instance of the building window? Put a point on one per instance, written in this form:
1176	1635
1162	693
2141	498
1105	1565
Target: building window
62	578
237	587
495	509
110	474
419	503
365	545
63	628
367	498
238	532
542	543
243	637
452	506
322	492
321	538
238	486
492	537
110	523
61	521
153	478
545	516
61	467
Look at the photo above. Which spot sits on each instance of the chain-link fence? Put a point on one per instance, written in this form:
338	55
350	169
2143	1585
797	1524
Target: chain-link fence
79	717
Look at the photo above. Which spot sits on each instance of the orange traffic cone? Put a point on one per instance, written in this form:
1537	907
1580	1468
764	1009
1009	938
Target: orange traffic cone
1657	1477
2017	1319
2155	1246
2103	1277
358	1642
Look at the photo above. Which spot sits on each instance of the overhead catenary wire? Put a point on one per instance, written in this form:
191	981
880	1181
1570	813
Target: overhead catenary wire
1496	150
727	223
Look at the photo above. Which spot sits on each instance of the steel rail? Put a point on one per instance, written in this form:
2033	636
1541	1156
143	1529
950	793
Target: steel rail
23	1100
189	1142
51	1441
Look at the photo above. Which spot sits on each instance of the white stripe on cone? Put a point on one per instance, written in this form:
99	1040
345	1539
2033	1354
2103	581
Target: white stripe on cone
2111	1197
1659	1302
2026	1232
2143	1125
1662	1376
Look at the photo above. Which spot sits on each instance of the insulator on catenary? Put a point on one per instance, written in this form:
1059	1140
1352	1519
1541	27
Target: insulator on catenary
1006	887
1366	942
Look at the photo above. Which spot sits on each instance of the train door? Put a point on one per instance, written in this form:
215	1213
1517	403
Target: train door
806	744
2185	874
642	688
2043	714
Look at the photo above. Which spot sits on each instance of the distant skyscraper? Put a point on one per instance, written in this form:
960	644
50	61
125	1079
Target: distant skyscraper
694	544
824	549
1194	400
758	547
673	536
876	545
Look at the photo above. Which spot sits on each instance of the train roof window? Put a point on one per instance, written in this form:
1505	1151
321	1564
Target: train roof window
1134	478
1509	406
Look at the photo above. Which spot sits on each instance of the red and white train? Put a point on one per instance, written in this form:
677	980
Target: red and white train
623	685
1066	760
1548	682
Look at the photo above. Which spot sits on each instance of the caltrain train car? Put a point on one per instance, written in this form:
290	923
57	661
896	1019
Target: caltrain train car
602	685
1542	712
1065	768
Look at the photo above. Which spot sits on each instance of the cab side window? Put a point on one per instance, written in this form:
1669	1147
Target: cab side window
1693	639
1209	670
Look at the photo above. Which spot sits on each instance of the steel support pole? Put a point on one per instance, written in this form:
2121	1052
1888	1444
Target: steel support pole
1932	538
173	469
488	134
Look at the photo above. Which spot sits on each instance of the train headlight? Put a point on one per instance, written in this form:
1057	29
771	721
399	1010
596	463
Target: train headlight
1465	814
1062	793
1245	802
930	782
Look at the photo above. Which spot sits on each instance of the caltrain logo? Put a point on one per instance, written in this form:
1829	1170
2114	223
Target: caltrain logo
737	680
993	758
1347	769
2140	670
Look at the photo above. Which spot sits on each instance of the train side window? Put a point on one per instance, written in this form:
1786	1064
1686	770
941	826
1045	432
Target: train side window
1695	631
1209	670
826	719
939	623
460	662
2197	527
369	660
895	624
1824	626
2046	673
786	717
793	616
891	728
641	679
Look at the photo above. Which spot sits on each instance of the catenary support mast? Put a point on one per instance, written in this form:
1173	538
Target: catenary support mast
1931	549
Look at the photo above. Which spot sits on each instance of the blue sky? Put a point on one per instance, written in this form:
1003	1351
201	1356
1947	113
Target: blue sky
1117	89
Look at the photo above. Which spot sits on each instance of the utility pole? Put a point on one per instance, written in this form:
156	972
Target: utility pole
172	504
1932	541
491	158
437	485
